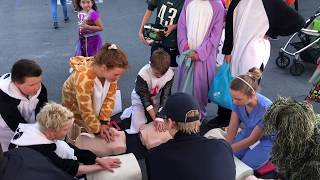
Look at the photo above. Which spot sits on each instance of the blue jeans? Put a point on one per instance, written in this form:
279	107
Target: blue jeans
54	9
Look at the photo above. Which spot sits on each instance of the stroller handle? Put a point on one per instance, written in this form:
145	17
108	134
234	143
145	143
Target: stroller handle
309	21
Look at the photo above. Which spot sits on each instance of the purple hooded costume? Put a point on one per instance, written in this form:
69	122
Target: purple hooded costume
204	67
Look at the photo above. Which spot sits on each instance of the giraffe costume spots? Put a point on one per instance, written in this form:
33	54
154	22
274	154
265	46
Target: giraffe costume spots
78	91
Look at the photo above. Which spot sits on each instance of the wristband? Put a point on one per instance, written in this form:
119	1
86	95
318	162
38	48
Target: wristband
102	122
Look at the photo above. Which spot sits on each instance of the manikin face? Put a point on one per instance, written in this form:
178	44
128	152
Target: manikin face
86	4
30	86
240	99
170	126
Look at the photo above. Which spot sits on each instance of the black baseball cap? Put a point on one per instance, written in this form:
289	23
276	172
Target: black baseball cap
181	107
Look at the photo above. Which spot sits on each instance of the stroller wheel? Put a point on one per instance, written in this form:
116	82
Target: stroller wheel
282	61
297	69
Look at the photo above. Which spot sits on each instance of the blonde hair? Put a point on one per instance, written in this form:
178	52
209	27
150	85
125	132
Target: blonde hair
248	83
54	116
189	127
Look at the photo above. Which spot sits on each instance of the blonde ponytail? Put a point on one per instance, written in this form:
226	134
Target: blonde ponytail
248	83
255	73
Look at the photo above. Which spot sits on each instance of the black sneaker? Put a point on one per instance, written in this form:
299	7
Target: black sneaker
66	19
273	38
55	25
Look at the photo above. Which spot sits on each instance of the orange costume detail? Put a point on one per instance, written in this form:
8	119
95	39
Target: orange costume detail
290	2
227	3
77	95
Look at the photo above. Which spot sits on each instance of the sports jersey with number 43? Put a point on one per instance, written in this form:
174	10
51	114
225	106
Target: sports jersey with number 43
168	12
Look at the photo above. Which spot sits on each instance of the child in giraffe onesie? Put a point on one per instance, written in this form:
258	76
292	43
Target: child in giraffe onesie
90	90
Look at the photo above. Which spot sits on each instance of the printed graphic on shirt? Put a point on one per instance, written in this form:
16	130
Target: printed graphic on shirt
154	92
167	14
17	134
168	11
83	18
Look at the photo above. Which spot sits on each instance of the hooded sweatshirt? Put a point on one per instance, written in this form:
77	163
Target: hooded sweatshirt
16	108
64	156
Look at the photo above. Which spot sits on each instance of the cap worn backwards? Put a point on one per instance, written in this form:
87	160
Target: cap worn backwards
182	107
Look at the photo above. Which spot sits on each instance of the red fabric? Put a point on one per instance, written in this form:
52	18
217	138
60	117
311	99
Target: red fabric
290	2
269	167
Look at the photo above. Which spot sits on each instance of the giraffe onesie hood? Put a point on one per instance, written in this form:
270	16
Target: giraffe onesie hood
79	95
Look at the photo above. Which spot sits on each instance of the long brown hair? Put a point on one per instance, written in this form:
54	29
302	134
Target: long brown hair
111	56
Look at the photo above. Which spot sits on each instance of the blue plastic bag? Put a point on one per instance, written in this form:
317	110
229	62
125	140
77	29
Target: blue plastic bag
219	91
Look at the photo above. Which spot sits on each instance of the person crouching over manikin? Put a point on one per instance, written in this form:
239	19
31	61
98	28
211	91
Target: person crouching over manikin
46	137
188	155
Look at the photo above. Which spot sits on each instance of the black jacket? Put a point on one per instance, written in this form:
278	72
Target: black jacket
9	108
69	166
191	157
27	164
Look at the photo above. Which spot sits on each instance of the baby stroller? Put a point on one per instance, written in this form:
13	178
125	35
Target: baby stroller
307	46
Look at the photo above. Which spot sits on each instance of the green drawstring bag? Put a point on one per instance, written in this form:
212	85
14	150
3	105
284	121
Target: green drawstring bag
185	82
316	25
